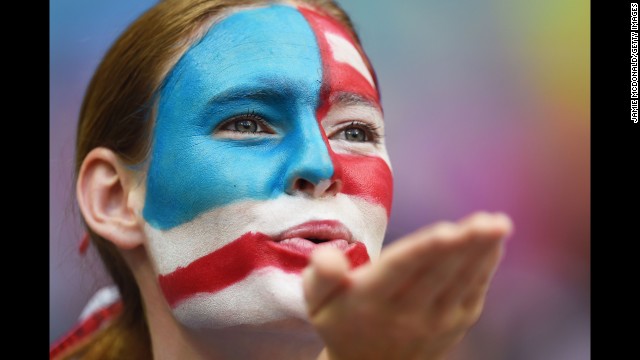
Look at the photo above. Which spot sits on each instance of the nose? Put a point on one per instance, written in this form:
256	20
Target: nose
326	187
311	170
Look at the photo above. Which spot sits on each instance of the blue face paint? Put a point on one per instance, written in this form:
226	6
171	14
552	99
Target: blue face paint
264	61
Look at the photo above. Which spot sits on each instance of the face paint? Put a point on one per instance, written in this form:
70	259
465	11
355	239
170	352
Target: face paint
344	72
227	270
228	231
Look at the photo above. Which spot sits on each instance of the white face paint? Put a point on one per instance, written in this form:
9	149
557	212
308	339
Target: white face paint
344	52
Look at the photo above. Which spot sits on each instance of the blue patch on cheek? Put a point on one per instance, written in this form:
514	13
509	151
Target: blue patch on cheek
192	171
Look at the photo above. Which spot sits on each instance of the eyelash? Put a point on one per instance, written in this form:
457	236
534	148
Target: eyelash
371	131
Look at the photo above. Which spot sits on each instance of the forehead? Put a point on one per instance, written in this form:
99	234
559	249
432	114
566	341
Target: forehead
278	46
253	46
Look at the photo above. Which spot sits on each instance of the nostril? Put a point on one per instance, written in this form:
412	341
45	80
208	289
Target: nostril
322	188
334	188
303	185
326	187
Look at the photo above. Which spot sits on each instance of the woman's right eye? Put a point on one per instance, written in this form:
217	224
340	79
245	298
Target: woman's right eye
245	124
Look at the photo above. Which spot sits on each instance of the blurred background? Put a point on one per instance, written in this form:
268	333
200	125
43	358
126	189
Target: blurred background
487	107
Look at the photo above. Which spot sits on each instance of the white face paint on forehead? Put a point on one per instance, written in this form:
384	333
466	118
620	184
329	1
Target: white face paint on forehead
344	52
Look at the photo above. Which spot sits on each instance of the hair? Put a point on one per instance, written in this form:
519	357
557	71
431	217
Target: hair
118	113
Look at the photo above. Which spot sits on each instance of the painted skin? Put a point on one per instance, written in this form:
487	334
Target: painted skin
272	120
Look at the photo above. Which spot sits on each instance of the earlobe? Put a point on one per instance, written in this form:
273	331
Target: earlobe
107	199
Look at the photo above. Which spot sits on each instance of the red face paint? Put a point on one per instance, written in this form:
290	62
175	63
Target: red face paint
237	260
367	177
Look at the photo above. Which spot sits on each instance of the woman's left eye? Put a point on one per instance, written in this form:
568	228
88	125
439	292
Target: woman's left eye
357	132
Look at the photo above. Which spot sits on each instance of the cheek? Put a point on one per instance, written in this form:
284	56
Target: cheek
194	176
366	177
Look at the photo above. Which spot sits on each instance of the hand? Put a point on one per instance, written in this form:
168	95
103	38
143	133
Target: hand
416	301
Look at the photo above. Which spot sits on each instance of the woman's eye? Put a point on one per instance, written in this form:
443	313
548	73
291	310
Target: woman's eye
358	132
245	125
355	134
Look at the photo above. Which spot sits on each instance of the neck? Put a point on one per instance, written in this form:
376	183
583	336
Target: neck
272	341
292	339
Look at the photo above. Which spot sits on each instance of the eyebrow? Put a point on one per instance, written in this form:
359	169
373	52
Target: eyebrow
250	93
350	99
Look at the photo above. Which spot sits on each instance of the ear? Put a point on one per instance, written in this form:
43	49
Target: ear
110	199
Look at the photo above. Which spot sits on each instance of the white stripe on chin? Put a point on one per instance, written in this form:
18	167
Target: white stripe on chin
267	295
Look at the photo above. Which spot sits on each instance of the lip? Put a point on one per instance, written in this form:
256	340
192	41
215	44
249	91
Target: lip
306	237
322	231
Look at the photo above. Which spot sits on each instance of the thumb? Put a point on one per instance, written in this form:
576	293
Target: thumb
324	277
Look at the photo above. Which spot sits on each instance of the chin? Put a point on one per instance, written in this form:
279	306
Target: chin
269	298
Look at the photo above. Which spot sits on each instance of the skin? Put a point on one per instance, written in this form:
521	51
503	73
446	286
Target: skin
415	301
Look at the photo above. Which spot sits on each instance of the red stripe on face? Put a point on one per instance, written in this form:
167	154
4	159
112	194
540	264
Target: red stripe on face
367	177
234	262
363	176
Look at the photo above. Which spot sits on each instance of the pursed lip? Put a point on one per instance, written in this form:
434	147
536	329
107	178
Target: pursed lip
303	239
318	232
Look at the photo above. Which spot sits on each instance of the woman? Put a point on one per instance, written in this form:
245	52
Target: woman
232	173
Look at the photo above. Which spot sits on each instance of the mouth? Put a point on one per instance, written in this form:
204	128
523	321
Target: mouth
289	251
305	238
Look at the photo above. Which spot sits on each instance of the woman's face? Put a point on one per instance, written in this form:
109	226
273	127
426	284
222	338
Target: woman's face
268	144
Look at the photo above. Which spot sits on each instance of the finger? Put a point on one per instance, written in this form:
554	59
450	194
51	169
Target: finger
401	261
478	265
428	283
458	308
474	295
460	303
457	269
478	276
487	225
324	277
435	247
